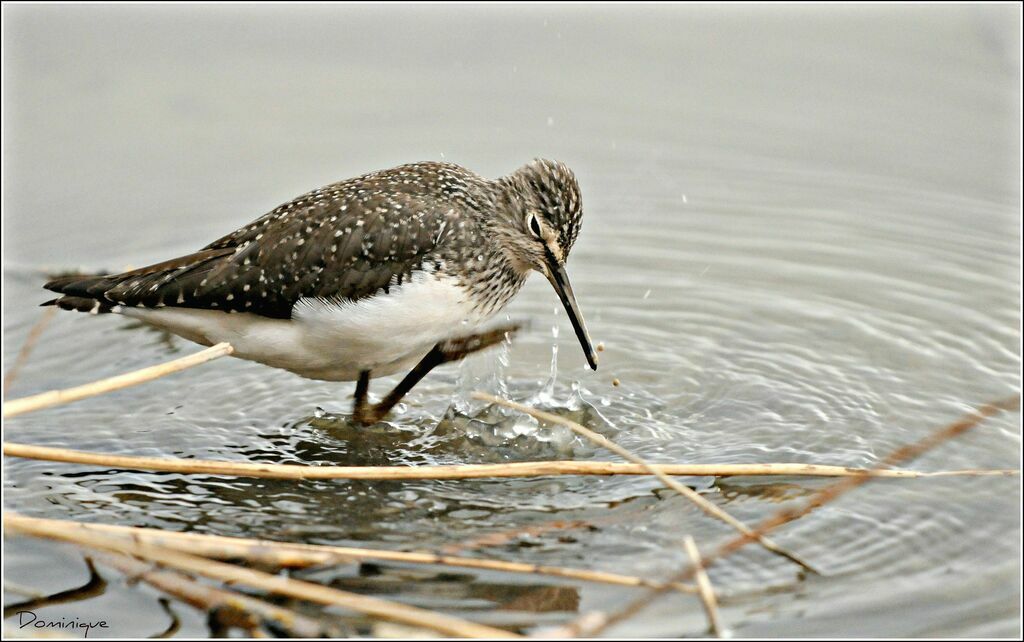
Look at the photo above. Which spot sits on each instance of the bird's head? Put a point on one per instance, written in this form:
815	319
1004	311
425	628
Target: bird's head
540	217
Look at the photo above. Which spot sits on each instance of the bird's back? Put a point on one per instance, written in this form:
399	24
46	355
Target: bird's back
346	241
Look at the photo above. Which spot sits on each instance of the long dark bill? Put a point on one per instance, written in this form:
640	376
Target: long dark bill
560	281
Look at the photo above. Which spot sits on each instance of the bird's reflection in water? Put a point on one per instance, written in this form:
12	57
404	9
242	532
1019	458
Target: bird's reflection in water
448	589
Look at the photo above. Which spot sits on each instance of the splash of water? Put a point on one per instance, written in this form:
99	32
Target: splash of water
485	371
495	427
546	394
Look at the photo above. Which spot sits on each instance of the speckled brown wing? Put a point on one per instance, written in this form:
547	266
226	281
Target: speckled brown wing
346	241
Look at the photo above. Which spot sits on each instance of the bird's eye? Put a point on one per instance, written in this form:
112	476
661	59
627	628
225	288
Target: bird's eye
535	226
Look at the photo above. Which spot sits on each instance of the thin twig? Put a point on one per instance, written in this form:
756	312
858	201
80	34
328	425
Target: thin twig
704	589
208	598
26	348
372	606
708	507
591	626
464	471
292	555
134	378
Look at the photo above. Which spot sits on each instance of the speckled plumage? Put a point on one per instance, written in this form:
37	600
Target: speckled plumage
428	230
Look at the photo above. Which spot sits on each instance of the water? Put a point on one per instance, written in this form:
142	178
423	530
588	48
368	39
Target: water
801	244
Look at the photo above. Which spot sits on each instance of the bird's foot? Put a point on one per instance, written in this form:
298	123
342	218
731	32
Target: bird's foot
461	347
368	414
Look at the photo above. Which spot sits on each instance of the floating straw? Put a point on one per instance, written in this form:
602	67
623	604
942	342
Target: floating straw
690	494
309	591
134	378
459	471
592	625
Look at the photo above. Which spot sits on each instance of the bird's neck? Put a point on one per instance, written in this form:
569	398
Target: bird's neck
500	222
490	273
492	285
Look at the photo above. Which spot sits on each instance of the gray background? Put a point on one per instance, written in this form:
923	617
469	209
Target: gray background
801	243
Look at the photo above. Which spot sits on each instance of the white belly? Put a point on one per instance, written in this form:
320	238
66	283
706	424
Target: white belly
334	340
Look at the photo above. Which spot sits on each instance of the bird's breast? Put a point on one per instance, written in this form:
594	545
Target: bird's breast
383	333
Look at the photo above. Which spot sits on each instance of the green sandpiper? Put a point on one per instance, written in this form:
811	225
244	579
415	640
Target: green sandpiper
392	270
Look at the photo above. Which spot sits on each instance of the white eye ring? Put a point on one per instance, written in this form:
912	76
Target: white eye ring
534	225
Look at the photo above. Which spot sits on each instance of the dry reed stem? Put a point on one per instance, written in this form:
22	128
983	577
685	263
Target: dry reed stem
208	598
705	505
24	591
134	378
291	555
464	471
704	589
228	573
591	626
26	348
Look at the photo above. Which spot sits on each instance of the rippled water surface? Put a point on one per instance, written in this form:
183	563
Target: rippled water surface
801	244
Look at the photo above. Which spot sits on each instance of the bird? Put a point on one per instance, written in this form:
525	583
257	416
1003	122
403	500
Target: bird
392	271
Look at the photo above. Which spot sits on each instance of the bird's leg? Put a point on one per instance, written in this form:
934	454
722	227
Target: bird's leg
444	352
360	407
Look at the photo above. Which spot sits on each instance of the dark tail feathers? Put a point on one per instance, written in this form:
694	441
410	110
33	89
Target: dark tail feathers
82	293
81	304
